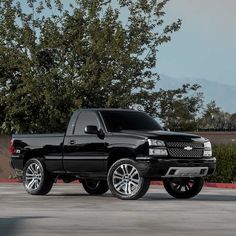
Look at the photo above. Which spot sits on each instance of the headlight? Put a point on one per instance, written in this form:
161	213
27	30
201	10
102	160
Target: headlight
207	149
157	148
158	152
154	142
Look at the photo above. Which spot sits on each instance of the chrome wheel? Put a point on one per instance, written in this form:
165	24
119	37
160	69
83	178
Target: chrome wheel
33	176
36	179
126	179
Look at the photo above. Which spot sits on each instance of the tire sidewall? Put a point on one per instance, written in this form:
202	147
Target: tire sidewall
143	185
43	173
196	188
101	187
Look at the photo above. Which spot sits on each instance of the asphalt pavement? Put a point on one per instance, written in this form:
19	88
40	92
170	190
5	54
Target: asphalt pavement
68	210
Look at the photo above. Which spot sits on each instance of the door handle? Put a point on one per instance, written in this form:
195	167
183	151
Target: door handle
72	142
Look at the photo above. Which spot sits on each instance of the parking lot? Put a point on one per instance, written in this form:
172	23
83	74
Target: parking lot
68	210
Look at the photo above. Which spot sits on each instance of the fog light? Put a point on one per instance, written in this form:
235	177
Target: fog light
207	153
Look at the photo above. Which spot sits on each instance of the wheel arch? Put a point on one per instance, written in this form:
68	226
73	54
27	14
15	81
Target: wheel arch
120	153
32	154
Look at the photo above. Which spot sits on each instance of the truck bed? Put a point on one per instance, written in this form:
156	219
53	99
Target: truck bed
48	145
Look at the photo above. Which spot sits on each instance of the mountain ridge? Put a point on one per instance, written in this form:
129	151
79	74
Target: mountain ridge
223	94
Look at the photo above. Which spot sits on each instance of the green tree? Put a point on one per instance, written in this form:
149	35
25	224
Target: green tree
54	59
232	124
179	108
214	118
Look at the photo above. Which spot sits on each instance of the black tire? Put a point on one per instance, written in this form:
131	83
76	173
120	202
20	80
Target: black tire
95	187
184	187
125	182
43	181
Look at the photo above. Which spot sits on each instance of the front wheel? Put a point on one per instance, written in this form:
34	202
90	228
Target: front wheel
125	182
183	187
95	187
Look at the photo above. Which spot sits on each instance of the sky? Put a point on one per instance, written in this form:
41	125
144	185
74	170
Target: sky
205	46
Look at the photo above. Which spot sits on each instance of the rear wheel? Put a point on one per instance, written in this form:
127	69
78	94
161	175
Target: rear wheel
125	182
36	179
94	187
184	187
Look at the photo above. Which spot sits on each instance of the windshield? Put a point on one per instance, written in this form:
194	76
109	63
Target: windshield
128	120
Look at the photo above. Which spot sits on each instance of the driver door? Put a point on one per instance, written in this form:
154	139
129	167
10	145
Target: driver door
84	152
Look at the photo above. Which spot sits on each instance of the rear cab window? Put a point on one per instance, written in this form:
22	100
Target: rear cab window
84	119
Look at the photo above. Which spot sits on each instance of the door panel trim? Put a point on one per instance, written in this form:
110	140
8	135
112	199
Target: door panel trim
53	157
85	157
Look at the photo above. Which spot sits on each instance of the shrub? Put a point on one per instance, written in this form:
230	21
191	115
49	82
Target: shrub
226	164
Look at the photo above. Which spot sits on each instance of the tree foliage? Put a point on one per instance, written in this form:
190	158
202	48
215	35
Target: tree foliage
179	108
55	58
214	118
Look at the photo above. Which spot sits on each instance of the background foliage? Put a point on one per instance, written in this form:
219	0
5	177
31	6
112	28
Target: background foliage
226	164
55	59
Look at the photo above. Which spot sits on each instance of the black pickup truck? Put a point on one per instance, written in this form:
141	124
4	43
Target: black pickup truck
116	149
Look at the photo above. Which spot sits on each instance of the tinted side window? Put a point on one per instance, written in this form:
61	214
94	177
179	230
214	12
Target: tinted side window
86	118
129	120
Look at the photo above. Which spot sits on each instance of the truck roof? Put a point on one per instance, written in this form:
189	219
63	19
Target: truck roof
76	112
106	109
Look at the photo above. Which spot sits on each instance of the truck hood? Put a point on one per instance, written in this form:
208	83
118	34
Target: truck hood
167	135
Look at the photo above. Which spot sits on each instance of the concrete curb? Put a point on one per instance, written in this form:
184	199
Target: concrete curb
9	181
221	185
211	185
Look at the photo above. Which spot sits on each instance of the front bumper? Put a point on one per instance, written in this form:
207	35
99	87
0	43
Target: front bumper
158	168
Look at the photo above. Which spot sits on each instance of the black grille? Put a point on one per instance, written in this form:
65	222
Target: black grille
195	153
184	144
176	149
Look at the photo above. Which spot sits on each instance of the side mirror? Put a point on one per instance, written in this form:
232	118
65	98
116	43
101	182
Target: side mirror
91	129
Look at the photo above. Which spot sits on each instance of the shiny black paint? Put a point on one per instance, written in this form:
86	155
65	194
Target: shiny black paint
48	146
91	155
86	154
